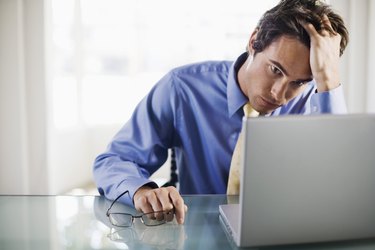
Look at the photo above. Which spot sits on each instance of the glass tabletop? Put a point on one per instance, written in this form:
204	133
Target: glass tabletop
80	222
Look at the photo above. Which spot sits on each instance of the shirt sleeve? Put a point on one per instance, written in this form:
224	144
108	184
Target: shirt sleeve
140	147
312	102
329	102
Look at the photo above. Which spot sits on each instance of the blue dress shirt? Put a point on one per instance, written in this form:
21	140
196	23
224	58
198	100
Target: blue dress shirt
196	109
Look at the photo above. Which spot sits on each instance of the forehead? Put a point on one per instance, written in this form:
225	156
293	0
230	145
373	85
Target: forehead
291	53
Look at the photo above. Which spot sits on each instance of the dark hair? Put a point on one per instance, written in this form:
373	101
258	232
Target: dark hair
287	18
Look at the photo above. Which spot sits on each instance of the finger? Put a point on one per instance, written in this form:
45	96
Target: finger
327	26
178	204
142	204
310	29
326	22
153	198
166	204
168	216
163	195
154	201
325	33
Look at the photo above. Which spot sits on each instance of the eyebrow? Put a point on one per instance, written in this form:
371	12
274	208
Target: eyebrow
287	74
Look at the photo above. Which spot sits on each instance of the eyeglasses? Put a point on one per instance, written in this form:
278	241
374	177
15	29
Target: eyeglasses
149	219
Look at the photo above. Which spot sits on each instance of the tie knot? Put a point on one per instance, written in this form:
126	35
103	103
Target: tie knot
249	111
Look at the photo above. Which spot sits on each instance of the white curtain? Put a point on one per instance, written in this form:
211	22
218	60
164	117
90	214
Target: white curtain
370	97
23	109
358	61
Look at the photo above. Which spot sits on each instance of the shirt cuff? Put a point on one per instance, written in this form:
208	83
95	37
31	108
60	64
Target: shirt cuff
329	102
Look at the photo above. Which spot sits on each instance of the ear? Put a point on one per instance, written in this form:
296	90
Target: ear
250	45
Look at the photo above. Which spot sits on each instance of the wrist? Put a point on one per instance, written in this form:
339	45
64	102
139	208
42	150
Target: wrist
327	84
327	88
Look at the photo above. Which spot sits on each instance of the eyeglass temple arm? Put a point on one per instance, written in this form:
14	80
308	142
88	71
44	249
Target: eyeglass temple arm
113	202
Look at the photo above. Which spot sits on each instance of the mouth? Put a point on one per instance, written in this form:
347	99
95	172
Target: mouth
269	104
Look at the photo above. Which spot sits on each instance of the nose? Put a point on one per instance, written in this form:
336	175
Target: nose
278	91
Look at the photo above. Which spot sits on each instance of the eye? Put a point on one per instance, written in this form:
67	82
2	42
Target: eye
275	70
299	83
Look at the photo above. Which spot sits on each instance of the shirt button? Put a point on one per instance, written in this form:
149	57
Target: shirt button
233	138
234	135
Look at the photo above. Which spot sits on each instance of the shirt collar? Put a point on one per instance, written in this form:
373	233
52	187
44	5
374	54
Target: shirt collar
236	99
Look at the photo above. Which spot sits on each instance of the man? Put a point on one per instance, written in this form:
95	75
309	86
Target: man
291	67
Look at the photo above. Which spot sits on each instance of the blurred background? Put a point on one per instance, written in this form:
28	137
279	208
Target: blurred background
72	71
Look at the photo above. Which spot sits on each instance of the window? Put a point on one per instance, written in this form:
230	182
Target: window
109	53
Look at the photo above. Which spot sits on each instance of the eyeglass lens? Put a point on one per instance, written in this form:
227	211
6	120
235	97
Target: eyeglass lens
157	218
121	220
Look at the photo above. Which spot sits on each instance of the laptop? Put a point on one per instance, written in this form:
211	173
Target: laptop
304	179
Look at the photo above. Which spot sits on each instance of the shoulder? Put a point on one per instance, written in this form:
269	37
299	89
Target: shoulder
196	79
201	68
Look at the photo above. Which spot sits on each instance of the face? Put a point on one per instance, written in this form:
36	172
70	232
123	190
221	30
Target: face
276	75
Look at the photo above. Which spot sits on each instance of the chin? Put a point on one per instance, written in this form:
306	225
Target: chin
262	110
258	107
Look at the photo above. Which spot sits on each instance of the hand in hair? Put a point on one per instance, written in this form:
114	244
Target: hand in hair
324	55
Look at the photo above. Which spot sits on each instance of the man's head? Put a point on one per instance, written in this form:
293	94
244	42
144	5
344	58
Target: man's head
287	18
280	63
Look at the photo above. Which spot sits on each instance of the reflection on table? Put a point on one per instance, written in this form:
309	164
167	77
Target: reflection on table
166	236
80	222
198	231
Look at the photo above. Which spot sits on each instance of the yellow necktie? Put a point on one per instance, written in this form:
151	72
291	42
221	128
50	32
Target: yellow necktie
233	187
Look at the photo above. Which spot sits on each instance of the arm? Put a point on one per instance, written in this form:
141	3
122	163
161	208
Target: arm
138	150
324	62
